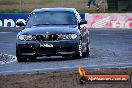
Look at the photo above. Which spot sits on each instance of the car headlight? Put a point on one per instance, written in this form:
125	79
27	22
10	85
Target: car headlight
25	37
69	36
73	36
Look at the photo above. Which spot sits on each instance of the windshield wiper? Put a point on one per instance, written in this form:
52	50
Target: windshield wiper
51	24
56	24
40	24
67	24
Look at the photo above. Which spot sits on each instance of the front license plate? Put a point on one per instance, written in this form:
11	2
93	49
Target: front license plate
46	45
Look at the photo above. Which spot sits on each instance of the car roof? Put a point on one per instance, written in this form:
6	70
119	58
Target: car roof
54	9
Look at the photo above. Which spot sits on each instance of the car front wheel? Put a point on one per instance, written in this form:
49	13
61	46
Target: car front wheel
87	53
25	58
21	58
79	53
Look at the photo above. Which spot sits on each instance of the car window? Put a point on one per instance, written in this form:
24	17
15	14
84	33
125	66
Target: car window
52	18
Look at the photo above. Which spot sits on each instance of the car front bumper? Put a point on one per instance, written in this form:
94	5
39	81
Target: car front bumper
58	48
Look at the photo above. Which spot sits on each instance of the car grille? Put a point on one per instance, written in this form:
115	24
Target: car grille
50	37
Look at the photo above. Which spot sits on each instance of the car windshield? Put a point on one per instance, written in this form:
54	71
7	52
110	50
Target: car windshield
52	18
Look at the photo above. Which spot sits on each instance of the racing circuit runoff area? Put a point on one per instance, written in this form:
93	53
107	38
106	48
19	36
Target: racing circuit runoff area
110	48
110	54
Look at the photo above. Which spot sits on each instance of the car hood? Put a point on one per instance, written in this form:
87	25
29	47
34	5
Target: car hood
50	30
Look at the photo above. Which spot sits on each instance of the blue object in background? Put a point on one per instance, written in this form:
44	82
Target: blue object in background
10	19
82	15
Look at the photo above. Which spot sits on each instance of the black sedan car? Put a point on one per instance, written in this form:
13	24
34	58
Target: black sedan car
52	32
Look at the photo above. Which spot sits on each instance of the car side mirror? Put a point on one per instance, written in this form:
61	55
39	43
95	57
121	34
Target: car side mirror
20	23
82	22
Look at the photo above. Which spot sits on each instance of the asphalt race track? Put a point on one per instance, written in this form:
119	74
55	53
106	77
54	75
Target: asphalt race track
109	49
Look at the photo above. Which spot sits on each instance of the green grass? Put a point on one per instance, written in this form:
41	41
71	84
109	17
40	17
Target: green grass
14	11
14	2
9	2
40	2
102	11
80	10
76	3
